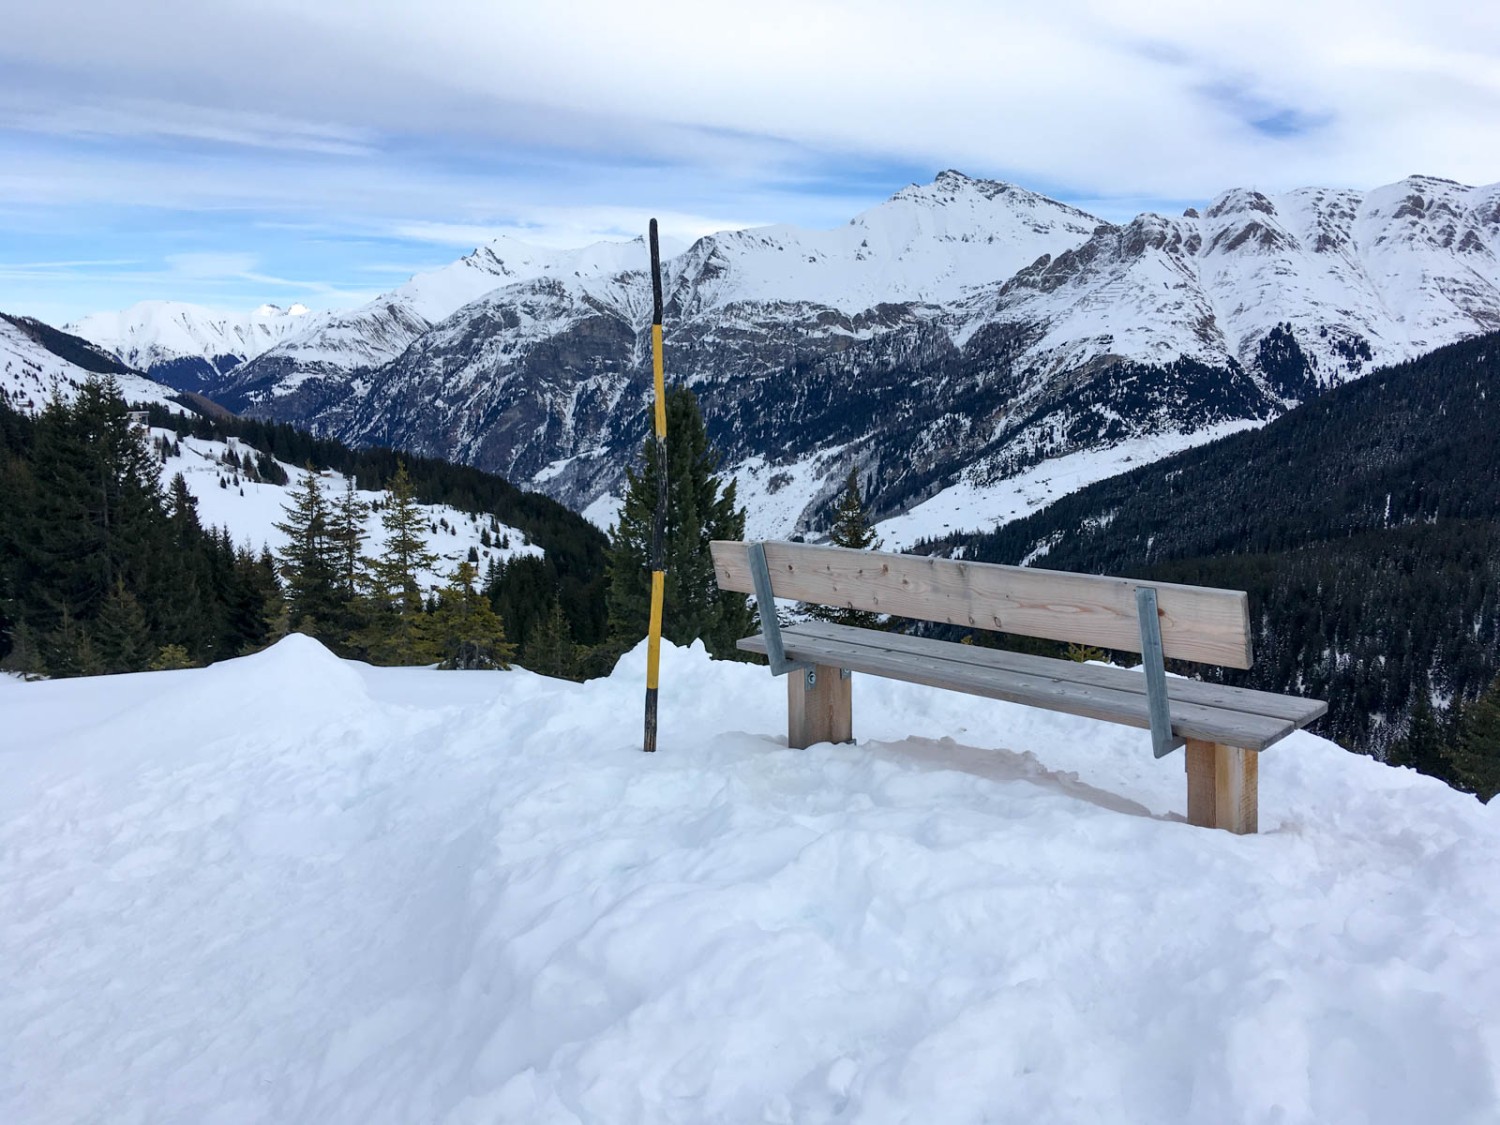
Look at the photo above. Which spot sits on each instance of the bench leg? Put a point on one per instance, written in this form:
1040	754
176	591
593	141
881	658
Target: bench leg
1222	786
820	709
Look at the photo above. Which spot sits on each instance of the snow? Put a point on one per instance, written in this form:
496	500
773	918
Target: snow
604	512
774	496
974	505
29	375
927	243
251	510
155	331
291	888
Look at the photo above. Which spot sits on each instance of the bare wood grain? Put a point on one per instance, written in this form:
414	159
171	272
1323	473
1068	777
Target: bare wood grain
1197	623
823	712
1223	787
1050	691
1295	708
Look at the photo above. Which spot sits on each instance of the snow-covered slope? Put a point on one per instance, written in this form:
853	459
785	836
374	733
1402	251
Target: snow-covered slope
382	329
956	335
250	509
31	372
188	345
291	888
1359	279
928	243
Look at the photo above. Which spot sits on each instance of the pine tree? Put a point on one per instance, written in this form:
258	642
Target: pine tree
1475	754
121	640
393	631
69	650
851	528
309	563
25	656
347	532
464	630
1423	749
700	508
551	651
170	658
98	513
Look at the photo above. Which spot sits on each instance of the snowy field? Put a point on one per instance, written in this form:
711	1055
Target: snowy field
251	510
290	888
975	507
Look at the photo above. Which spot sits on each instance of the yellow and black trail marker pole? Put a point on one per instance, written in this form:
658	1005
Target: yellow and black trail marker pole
659	524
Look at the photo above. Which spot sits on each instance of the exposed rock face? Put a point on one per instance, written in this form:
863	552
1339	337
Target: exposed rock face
964	327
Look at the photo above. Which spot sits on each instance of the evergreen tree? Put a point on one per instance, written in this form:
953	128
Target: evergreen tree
182	512
464	629
170	658
121	640
98	511
69	650
700	508
252	587
551	651
309	563
851	528
1424	748
347	531
393	631
1476	751
25	656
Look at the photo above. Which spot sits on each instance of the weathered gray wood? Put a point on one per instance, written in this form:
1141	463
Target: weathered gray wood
1296	709
939	666
1210	626
822	711
770	624
1162	741
1223	787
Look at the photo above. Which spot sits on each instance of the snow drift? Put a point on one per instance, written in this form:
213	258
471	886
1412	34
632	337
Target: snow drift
293	888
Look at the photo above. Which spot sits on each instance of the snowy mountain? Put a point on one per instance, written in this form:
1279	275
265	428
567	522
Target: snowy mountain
37	361
297	889
188	346
954	337
316	369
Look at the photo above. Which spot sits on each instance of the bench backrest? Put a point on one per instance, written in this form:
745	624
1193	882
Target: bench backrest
1197	623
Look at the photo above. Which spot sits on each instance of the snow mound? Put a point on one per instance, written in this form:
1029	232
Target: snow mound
292	888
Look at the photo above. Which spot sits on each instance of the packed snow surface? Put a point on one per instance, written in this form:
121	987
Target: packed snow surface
289	888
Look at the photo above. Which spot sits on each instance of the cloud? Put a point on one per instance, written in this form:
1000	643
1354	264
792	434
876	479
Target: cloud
381	122
144	117
1092	95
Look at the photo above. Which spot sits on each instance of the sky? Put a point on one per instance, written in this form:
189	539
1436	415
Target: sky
232	153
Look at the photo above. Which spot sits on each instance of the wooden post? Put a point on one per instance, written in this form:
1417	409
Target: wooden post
1222	784
819	706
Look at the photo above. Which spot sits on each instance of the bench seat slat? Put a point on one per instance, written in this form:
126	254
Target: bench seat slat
1295	708
938	666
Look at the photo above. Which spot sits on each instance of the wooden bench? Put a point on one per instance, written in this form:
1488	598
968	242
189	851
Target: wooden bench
1223	728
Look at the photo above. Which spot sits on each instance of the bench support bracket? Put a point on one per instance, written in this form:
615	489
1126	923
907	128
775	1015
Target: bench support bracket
1152	663
765	602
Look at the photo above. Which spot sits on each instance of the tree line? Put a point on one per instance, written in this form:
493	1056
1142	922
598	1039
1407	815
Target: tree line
1365	526
105	570
101	570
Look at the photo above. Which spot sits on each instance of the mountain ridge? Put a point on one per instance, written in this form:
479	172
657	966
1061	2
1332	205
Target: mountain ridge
968	327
